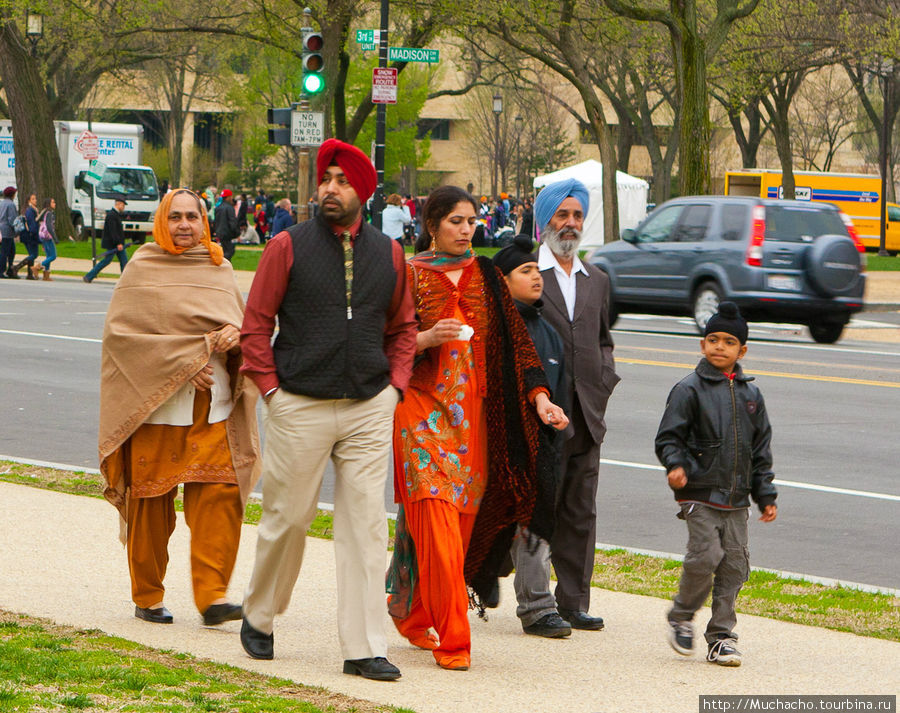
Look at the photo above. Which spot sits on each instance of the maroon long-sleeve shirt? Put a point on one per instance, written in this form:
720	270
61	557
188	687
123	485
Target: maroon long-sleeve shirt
267	293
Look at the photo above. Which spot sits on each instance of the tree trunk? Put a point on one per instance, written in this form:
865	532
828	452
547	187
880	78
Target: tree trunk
693	165
38	168
608	158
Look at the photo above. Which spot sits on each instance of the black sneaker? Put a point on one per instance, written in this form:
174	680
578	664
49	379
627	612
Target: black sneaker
681	637
550	626
724	653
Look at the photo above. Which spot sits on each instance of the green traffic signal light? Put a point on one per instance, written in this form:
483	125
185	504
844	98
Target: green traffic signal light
313	63
313	83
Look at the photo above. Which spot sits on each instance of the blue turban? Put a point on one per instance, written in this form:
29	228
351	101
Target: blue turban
550	198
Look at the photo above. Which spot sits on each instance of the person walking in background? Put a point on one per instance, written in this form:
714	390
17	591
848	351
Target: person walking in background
283	218
531	549
113	240
28	236
716	404
174	409
226	225
47	234
576	304
8	215
395	217
464	475
341	361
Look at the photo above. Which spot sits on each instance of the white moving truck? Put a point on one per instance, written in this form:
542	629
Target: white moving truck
120	149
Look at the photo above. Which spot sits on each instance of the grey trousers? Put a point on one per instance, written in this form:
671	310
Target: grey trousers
717	559
532	580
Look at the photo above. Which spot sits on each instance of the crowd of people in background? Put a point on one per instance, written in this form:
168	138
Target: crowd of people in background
34	228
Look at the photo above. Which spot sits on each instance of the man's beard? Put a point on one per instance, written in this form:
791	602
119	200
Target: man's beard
562	247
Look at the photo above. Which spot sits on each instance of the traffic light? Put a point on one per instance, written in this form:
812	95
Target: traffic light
313	81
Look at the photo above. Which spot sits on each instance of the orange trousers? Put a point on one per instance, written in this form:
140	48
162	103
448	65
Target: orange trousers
213	513
440	600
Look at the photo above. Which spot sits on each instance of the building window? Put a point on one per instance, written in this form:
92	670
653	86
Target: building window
438	129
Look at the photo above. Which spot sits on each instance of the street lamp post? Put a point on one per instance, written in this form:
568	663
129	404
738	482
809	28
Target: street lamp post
498	109
520	122
34	29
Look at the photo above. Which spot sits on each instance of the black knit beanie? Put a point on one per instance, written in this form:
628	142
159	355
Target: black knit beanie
517	253
729	320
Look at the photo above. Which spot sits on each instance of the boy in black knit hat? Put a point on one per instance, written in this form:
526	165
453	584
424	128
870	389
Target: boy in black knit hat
713	441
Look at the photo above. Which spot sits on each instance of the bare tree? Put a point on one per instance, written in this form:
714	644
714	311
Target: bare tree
823	118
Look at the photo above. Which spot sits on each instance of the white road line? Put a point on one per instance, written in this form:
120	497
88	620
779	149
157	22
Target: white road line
778	481
780	345
51	336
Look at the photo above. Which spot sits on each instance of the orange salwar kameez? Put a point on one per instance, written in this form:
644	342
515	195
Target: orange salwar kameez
440	474
157	459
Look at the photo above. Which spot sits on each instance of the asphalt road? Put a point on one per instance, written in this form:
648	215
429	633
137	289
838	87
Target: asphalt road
832	409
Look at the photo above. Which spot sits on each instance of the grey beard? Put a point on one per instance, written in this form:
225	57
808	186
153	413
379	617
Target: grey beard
562	248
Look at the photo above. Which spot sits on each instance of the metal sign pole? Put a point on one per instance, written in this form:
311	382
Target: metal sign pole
93	189
380	116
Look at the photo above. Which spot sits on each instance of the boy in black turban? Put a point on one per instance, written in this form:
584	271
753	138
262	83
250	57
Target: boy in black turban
713	441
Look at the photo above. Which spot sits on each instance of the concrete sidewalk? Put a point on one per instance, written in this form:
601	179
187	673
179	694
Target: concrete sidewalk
61	559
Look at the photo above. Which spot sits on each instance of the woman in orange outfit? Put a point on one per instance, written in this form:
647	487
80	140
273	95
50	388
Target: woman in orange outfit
465	434
174	410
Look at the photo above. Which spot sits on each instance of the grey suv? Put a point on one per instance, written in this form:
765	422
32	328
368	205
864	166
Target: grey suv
780	261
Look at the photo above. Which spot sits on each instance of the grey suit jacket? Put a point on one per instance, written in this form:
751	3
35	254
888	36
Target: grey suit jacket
590	367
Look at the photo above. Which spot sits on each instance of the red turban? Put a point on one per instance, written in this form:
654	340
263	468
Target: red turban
354	163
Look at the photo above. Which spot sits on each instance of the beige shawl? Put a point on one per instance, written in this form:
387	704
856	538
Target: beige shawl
155	339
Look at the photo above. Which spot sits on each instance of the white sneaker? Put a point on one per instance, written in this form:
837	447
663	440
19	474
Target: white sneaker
724	653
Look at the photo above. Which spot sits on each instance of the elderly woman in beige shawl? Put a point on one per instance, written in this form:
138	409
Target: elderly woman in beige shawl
174	410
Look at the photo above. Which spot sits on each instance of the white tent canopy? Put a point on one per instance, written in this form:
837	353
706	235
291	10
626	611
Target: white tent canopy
632	194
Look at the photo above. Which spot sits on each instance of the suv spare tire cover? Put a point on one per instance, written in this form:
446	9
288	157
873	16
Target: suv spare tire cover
833	265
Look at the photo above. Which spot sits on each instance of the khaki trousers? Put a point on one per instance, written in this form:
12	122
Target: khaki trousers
302	433
213	513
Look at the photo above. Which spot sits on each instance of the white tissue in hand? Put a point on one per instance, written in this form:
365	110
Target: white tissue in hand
465	333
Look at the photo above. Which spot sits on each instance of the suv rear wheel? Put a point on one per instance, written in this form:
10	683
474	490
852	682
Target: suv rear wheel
826	332
706	303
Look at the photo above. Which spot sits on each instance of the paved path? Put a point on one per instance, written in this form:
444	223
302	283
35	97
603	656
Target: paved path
61	559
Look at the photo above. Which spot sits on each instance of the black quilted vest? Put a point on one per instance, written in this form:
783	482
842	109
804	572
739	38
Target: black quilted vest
319	352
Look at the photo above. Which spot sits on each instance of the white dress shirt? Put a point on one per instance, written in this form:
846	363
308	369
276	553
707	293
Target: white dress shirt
566	281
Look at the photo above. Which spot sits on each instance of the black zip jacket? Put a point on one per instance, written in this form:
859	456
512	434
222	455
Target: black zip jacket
717	429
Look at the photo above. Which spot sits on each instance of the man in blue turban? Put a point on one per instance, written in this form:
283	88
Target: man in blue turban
576	304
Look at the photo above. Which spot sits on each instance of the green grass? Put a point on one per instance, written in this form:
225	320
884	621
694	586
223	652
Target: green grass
862	613
875	263
44	666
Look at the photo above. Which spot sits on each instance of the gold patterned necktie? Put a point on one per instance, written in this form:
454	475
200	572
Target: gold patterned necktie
348	269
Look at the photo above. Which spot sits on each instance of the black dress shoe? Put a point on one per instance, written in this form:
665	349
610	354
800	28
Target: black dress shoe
220	613
550	626
154	616
581	620
379	668
255	643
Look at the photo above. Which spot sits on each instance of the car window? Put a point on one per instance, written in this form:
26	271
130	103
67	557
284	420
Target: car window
734	221
692	226
893	214
801	225
659	228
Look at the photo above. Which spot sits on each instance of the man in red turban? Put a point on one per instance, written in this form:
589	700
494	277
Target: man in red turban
342	358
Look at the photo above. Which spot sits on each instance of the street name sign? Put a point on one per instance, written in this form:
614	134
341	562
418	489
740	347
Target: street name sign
307	128
413	54
384	85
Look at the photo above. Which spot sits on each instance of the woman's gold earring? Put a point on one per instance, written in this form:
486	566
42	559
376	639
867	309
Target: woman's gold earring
432	246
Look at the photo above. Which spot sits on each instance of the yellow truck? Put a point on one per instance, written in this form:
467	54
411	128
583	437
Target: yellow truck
856	194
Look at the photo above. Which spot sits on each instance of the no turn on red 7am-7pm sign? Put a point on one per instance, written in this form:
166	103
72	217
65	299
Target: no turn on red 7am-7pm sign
384	85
